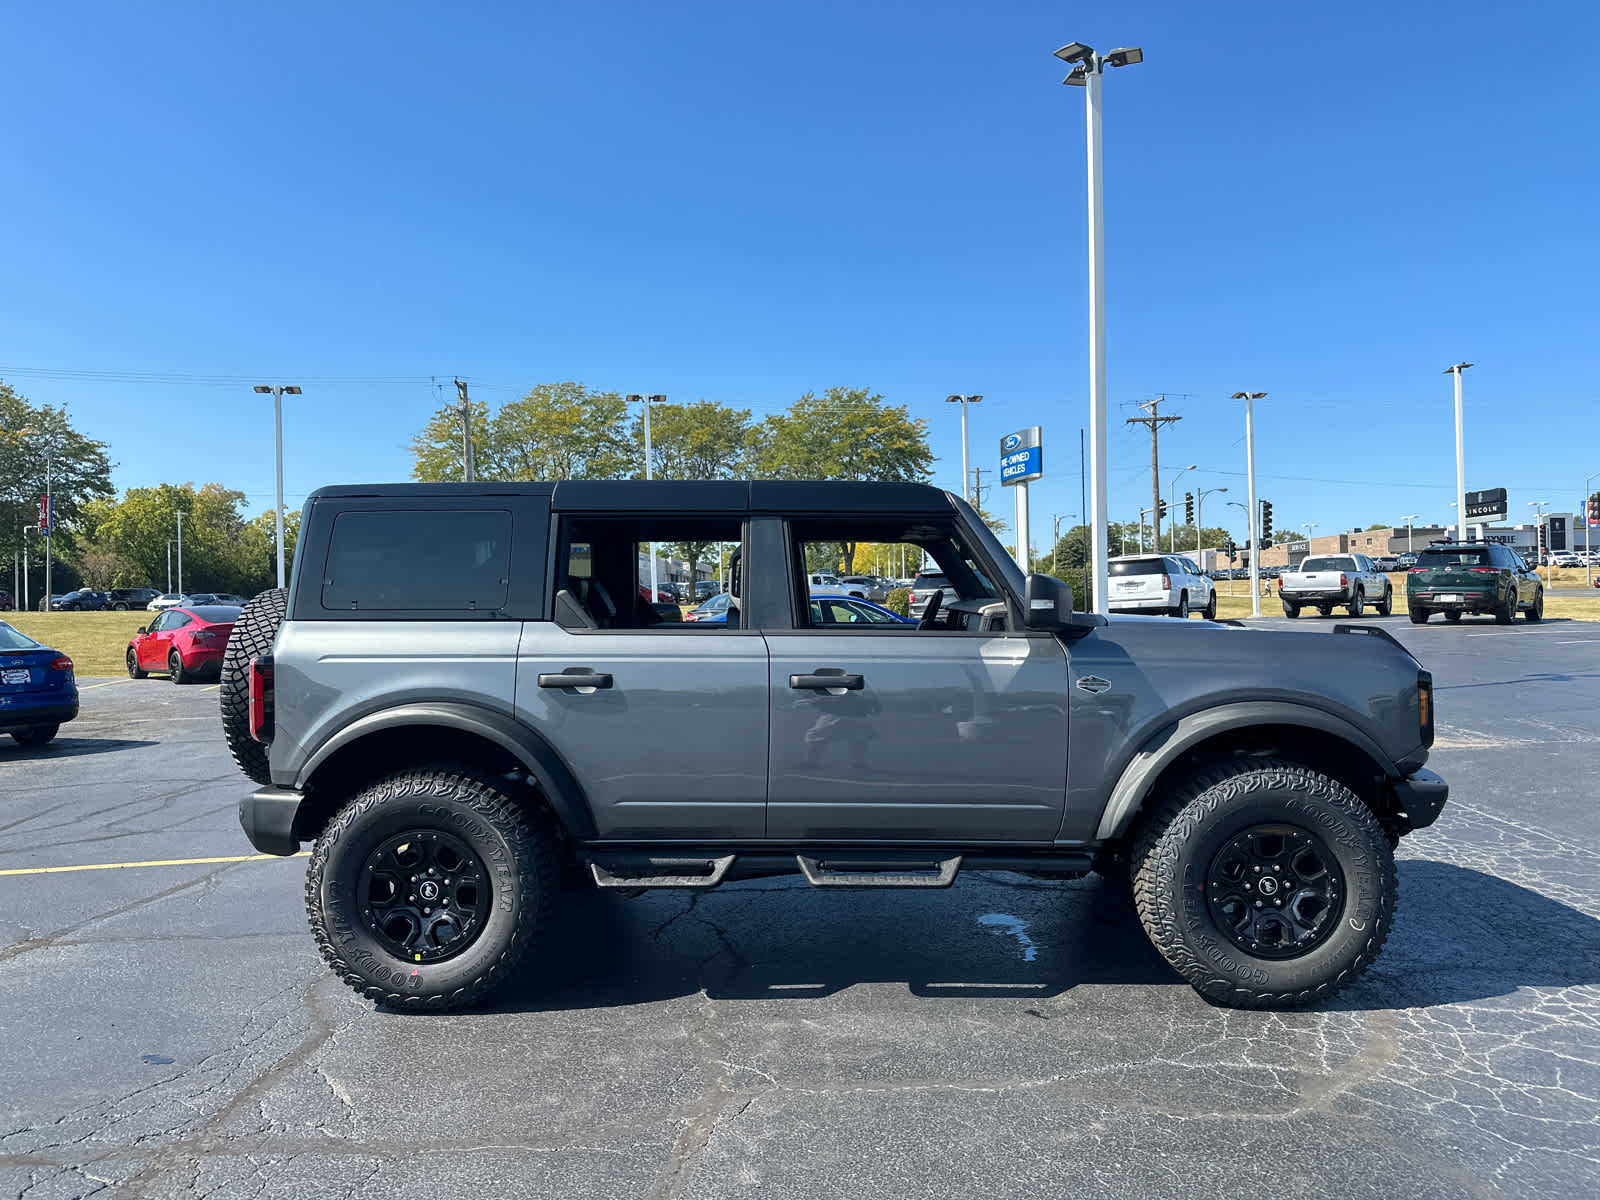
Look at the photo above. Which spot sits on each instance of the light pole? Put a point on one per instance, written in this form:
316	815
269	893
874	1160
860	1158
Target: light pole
26	530
646	402
966	470
1461	454
1308	527
1172	501
1087	70
1543	543
1055	536
1410	517
180	552
1588	563
169	566
1250	399
1199	500
1142	514
277	392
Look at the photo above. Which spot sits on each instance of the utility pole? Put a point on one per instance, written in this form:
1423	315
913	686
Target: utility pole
1155	421
977	488
468	467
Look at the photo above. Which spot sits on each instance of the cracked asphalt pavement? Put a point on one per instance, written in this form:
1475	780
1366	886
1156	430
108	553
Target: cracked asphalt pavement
170	1030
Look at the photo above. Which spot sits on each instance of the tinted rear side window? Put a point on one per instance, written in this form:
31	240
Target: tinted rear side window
1140	566
1455	556
423	561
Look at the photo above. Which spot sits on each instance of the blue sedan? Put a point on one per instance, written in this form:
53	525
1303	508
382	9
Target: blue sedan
37	691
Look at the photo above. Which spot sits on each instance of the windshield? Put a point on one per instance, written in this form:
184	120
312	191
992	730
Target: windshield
1328	564
1454	556
926	580
1138	566
10	639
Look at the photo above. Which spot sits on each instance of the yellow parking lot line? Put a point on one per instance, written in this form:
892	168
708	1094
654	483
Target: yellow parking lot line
212	688
156	862
84	687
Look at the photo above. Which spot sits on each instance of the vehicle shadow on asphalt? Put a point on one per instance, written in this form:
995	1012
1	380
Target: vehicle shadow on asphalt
998	936
1462	935
69	747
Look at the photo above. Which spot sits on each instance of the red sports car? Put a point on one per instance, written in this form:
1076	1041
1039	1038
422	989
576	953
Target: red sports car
184	642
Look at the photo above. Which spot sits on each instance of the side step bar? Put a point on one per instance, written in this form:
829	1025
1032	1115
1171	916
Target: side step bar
711	875
634	869
851	872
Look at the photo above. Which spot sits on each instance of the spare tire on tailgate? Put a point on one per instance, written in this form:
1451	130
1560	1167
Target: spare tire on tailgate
252	637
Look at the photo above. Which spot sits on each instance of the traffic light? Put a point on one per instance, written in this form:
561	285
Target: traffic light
1188	508
1541	537
1230	549
1266	522
1161	510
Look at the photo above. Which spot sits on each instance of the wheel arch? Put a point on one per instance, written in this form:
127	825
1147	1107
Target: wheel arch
1307	735
414	734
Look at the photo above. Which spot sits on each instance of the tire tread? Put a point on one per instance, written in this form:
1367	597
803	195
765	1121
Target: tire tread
252	636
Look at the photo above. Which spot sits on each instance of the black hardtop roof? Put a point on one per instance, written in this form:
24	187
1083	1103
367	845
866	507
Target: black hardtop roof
716	495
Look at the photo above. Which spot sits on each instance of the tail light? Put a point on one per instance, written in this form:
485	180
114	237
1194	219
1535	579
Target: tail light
203	635
1416	570
1166	583
63	663
1484	570
261	699
1425	706
1344	580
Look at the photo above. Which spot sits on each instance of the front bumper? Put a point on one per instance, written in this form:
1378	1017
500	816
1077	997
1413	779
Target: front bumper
267	816
1419	797
24	716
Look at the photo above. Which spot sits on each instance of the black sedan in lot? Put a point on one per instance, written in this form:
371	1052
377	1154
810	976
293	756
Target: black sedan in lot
82	600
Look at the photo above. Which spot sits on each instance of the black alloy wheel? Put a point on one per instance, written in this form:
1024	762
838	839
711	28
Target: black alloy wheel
1358	603
425	895
1505	613
1535	612
1275	891
134	670
175	668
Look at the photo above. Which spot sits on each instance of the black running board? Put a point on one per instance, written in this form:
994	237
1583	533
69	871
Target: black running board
822	867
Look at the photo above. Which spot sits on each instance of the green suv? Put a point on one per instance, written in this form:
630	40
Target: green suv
1473	577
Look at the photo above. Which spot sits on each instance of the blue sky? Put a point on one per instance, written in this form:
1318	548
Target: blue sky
745	202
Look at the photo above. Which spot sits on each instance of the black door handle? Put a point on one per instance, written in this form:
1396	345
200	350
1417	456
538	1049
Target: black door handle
576	677
850	683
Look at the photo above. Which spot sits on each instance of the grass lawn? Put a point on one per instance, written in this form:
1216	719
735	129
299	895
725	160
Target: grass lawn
96	642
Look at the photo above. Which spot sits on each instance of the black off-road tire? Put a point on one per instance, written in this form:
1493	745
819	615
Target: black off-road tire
1210	611
37	735
1358	603
252	637
135	671
1188	829
1534	613
1291	610
1386	605
515	845
1419	616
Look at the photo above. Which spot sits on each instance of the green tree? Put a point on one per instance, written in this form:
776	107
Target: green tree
79	471
556	431
703	440
846	433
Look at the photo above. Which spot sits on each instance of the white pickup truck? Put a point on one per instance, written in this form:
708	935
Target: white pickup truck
1326	580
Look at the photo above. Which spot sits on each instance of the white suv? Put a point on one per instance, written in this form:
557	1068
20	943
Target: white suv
1168	583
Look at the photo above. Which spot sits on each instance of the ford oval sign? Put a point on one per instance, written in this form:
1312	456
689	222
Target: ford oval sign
1011	441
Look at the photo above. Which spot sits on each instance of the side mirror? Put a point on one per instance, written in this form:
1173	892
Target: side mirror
1046	603
142	629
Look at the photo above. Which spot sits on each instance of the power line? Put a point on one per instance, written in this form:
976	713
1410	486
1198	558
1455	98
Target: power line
1155	421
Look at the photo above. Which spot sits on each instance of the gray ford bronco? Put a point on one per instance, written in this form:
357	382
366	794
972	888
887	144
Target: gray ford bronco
465	702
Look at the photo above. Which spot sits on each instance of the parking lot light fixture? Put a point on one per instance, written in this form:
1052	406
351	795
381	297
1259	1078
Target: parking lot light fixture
1087	71
277	392
645	402
966	467
1461	455
1250	399
1538	507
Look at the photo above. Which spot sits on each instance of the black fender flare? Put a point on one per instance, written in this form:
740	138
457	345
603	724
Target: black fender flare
1168	744
547	769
